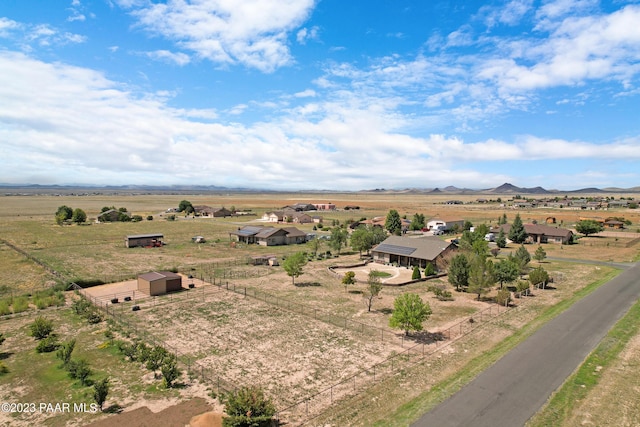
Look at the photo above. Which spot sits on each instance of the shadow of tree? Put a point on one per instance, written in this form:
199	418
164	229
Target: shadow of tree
307	284
113	409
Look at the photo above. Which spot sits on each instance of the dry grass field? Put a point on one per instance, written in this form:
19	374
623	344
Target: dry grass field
247	340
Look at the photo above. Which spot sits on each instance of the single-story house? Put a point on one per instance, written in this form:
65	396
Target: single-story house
324	206
446	224
159	282
269	236
297	217
407	251
144	240
273	216
542	233
300	207
204	210
613	223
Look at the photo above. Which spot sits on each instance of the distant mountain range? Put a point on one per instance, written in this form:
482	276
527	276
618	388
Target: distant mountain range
508	188
504	189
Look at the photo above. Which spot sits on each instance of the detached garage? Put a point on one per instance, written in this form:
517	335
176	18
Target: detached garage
159	282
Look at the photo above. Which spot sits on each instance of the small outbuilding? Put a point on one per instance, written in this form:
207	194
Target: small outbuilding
144	240
159	282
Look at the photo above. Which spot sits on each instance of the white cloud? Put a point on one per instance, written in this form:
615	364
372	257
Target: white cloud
238	109
579	49
252	32
510	13
177	58
77	17
82	127
7	26
305	93
305	34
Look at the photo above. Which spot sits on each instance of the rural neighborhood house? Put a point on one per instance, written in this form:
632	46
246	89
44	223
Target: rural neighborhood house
269	236
409	252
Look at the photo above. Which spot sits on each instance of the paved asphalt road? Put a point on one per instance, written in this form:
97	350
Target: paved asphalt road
512	390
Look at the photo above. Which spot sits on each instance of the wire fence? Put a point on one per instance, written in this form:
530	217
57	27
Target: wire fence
313	405
118	312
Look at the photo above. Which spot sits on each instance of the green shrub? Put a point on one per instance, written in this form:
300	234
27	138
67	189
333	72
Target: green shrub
94	317
41	328
80	306
47	344
429	270
79	370
4	308
40	303
20	304
3	368
248	407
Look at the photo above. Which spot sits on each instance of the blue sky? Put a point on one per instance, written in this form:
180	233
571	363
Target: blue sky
304	94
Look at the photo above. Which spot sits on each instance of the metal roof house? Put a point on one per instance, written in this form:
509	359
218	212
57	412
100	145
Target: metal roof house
407	251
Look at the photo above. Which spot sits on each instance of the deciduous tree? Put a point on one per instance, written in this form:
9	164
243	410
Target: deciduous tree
79	216
374	287
588	226
349	278
458	274
169	371
248	407
409	312
393	224
64	213
506	271
538	276
339	237
294	264
481	276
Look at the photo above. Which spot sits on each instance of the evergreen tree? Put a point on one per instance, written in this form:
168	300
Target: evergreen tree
416	273
501	240
100	392
517	233
540	254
